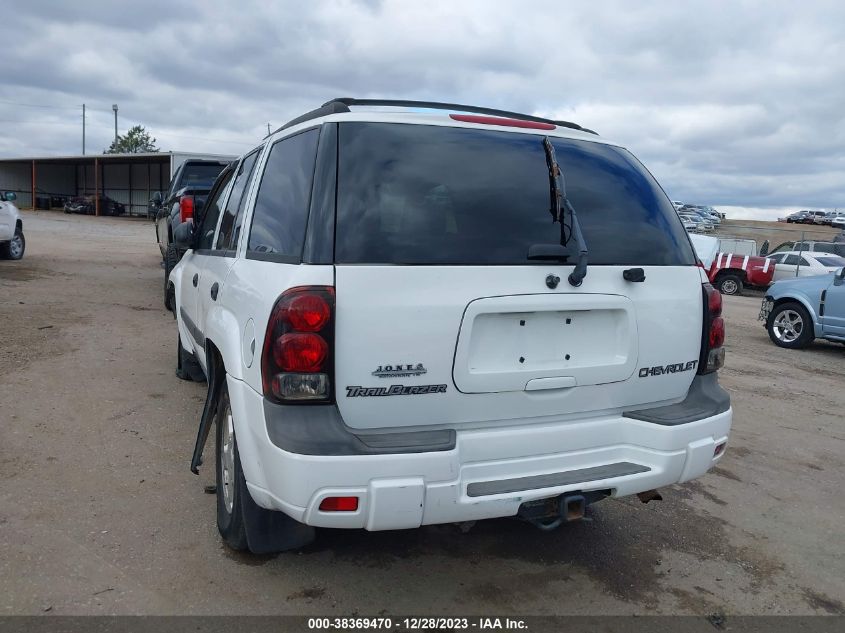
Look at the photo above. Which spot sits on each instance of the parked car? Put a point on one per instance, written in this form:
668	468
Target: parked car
689	223
87	205
797	311
730	273
397	338
707	212
798	217
814	217
834	247
185	196
804	264
704	223
12	240
838	221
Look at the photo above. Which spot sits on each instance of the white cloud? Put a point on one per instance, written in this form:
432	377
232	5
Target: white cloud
726	103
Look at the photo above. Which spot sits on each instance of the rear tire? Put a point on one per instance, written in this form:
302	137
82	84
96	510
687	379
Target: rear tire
242	523
171	258
231	485
730	284
790	326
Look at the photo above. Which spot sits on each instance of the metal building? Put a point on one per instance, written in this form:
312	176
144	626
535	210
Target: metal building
131	179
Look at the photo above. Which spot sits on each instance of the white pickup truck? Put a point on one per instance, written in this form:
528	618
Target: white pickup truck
12	240
412	318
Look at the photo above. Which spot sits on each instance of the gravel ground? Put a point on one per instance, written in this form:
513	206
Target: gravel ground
99	513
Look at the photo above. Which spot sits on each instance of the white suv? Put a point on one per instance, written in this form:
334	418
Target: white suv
412	318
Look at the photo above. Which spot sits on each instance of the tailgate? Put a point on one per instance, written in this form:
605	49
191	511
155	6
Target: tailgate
460	346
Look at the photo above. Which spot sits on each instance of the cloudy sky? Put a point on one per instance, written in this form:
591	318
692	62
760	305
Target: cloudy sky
738	105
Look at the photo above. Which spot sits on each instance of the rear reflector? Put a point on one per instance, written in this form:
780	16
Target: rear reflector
493	120
339	504
719	449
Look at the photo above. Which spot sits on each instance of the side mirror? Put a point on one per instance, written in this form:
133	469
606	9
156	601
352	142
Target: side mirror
156	199
839	278
10	196
183	236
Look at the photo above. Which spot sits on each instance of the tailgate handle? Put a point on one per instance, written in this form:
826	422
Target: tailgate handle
634	274
558	382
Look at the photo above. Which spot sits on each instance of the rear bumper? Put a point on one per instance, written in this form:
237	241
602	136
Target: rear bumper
486	474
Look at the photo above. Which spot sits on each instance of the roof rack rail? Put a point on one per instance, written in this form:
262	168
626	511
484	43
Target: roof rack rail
330	107
437	105
341	104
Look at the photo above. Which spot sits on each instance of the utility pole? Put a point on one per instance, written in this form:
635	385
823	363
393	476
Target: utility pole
268	128
114	107
83	129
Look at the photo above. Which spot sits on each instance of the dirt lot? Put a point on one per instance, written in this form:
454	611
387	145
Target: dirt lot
100	514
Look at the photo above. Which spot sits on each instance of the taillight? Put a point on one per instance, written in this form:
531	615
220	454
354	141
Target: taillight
186	208
297	364
713	332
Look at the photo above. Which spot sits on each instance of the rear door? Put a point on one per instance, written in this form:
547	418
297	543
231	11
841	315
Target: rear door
194	262
443	320
833	321
218	260
787	268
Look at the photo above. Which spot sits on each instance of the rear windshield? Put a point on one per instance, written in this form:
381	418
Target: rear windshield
831	260
414	194
200	175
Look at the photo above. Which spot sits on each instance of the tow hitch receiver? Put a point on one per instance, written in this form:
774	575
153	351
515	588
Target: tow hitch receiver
548	514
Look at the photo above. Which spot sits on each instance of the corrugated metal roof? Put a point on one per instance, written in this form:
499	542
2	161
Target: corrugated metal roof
164	156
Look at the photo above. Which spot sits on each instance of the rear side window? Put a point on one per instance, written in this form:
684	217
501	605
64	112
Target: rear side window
412	194
793	260
235	205
281	207
211	212
831	260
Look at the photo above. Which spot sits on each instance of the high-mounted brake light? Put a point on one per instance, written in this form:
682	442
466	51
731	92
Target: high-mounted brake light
495	120
186	208
713	332
297	364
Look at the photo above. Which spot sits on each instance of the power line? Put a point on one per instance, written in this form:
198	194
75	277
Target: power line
194	138
39	105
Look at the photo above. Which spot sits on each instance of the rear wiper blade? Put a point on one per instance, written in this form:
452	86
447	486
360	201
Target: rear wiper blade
559	201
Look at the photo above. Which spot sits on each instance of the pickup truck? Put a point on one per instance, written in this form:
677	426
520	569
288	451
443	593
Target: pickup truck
185	196
12	241
730	273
